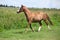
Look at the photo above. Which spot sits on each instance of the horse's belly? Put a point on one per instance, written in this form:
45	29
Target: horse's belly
36	19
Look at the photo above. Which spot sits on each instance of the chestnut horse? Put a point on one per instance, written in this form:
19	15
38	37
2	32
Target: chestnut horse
34	17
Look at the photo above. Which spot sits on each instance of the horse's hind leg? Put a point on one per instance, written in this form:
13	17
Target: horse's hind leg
47	24
40	26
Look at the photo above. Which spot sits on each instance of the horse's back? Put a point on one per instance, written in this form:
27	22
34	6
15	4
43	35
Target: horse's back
39	15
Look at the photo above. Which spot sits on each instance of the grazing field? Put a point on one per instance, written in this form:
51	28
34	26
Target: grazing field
12	25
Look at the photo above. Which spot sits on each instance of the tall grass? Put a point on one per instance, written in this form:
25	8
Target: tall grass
9	19
12	25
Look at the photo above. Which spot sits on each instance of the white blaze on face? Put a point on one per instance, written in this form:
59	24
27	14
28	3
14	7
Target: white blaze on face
17	10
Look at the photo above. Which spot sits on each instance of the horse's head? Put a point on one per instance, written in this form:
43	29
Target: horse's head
21	9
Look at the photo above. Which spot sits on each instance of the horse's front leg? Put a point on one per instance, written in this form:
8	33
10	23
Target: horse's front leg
27	26
31	27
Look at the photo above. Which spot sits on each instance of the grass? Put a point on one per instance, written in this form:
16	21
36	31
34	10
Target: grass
19	34
12	26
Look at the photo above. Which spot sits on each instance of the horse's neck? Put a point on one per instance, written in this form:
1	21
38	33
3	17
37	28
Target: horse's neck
27	12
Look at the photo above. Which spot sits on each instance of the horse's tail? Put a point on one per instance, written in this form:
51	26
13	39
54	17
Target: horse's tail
49	20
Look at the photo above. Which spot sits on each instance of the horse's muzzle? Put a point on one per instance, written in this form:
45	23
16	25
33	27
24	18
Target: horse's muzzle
18	12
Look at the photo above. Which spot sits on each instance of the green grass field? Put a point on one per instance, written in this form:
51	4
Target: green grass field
12	26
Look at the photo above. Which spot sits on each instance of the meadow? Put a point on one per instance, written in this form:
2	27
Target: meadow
12	25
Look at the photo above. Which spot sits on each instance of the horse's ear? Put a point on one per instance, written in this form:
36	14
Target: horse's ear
22	5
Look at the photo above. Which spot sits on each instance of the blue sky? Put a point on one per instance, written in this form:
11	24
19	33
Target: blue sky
33	3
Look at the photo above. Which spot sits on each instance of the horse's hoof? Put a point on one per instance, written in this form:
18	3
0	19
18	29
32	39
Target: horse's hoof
38	31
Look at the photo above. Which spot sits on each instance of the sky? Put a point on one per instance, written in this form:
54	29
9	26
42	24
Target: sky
33	3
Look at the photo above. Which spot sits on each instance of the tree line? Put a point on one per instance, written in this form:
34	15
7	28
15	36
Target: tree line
5	6
1	5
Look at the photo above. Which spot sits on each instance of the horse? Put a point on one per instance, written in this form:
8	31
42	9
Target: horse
35	17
